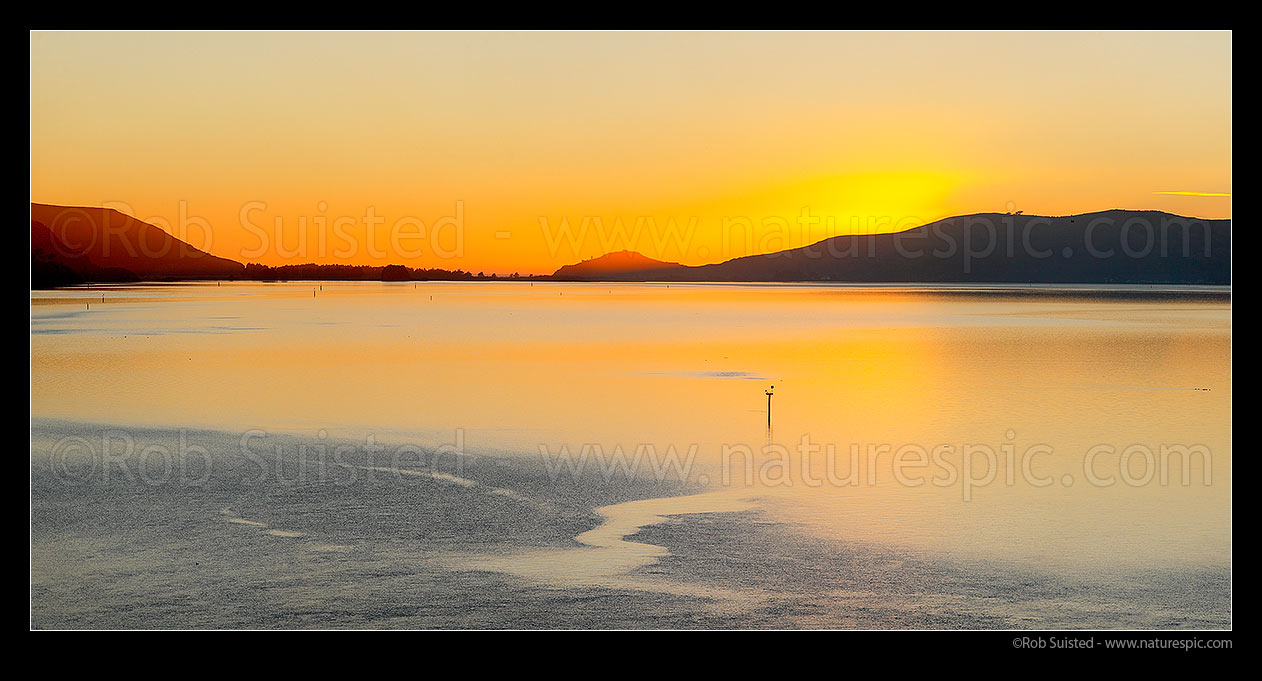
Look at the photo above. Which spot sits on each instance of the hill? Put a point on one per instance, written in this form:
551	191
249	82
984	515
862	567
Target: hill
101	244
614	265
1116	246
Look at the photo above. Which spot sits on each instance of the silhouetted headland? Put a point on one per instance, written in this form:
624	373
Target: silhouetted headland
101	244
72	245
1109	247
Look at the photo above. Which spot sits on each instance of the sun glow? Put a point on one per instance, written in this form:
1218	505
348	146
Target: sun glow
687	147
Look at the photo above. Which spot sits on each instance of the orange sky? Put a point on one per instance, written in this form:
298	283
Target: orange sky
525	151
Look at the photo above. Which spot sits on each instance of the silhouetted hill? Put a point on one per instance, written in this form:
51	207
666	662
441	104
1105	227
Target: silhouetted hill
48	273
54	264
100	242
1116	246
614	265
50	266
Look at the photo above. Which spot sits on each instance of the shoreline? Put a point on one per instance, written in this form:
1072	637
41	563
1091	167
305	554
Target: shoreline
962	288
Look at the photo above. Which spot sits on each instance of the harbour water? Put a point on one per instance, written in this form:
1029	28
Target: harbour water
527	455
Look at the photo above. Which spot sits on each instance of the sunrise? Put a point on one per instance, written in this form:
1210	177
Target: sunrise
657	329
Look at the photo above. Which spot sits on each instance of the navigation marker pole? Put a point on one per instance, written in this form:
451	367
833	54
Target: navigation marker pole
770	391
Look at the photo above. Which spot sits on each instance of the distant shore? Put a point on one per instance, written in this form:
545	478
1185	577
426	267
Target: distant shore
1107	290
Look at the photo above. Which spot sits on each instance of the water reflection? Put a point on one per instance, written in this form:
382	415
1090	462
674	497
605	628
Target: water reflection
516	368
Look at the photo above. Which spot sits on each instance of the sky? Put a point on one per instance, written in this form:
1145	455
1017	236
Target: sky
524	151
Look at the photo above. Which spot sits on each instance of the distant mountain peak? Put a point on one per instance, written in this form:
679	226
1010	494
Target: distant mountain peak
614	263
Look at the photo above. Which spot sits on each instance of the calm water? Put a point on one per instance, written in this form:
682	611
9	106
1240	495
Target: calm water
594	455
